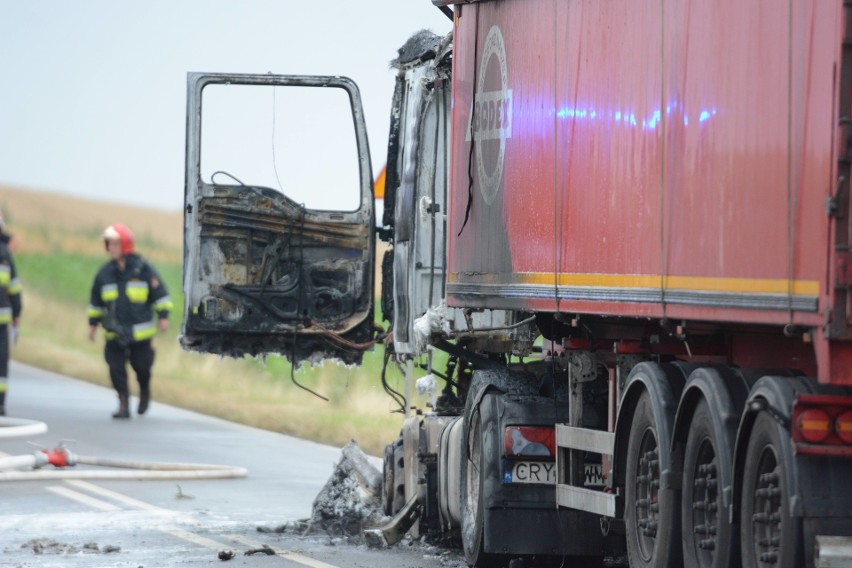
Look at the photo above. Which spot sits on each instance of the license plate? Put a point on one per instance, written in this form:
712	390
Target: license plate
530	472
545	473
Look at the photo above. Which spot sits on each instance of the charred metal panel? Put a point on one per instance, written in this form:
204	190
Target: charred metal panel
417	176
419	154
264	274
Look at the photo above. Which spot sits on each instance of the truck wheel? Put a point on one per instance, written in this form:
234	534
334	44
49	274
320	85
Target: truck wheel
706	530
770	535
649	514
393	491
387	481
398	475
475	454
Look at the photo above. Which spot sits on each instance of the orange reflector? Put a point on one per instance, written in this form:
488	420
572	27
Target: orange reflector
529	441
379	184
843	427
814	425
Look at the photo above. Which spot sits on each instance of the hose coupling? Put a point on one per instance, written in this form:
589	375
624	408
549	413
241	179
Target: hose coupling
58	457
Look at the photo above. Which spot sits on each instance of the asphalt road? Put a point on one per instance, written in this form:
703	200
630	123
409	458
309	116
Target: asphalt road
164	523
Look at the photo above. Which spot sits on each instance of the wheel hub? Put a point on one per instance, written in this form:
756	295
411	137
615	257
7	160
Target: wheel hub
647	507
705	495
766	520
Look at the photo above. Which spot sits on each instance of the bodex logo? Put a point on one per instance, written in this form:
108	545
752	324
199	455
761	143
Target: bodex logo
491	120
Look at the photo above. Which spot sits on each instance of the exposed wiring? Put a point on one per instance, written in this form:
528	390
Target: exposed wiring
396	396
299	305
300	385
220	172
498	328
342	341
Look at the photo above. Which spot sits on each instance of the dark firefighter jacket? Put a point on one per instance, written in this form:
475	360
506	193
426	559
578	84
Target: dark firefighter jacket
124	301
10	286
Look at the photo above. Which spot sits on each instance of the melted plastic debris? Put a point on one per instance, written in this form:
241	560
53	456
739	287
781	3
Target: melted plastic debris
433	321
422	46
428	386
349	501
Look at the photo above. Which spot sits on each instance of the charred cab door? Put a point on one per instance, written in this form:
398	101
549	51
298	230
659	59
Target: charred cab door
278	218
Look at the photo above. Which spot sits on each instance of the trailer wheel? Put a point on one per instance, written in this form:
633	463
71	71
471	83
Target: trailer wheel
770	535
649	513
474	455
706	530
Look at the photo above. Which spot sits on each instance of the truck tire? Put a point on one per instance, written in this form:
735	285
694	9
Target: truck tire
651	516
475	454
387	481
393	491
707	532
770	535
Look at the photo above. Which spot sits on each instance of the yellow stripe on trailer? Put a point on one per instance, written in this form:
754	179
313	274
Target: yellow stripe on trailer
648	281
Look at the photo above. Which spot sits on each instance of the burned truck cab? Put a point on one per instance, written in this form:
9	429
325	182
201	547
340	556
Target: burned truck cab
280	257
278	253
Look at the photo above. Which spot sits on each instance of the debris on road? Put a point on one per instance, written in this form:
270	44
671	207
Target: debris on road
181	495
262	550
349	500
50	546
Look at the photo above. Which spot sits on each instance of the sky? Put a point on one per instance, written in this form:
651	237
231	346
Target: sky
93	92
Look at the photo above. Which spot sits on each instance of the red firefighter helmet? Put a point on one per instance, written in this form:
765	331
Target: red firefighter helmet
118	232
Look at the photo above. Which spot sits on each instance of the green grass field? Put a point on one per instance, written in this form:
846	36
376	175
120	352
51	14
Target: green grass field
57	265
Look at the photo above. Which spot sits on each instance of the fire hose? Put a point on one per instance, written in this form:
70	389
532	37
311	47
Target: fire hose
62	459
13	427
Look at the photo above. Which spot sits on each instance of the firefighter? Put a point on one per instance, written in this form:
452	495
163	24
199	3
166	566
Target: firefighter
10	310
127	296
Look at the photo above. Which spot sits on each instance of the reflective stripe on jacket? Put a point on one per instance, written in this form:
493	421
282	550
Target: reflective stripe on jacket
10	285
125	301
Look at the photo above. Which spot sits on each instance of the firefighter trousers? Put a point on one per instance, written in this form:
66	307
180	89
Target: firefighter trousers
4	365
139	354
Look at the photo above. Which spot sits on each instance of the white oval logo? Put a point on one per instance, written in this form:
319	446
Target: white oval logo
491	120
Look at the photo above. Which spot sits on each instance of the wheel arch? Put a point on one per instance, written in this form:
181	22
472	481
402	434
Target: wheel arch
494	380
773	394
664	383
725	391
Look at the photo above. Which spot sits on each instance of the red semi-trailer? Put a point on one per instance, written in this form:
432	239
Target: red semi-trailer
628	224
654	161
683	163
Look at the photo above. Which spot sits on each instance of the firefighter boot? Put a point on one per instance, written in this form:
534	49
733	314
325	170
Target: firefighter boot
123	411
144	399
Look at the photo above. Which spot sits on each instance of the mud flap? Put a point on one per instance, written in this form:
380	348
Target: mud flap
394	530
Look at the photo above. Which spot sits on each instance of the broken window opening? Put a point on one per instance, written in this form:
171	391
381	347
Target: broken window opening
299	141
